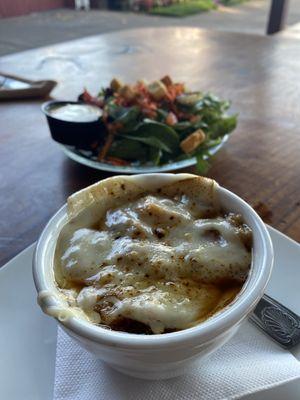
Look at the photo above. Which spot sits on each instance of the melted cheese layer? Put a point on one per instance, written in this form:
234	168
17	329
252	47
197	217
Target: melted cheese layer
153	260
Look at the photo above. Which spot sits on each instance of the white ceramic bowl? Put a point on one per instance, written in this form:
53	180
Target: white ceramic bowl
170	354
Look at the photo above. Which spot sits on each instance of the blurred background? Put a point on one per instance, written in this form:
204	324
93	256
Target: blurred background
28	24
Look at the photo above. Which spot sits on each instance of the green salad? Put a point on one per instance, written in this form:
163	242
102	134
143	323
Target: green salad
157	123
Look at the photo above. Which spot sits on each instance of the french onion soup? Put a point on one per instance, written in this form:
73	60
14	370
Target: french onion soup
153	259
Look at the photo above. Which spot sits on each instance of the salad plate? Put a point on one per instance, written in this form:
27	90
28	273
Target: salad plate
83	157
28	337
142	127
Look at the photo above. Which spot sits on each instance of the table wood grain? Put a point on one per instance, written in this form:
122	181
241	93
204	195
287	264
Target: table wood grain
260	162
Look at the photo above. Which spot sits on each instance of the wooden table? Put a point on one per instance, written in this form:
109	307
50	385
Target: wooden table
260	162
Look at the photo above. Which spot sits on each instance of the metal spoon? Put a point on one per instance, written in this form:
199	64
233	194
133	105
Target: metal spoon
277	321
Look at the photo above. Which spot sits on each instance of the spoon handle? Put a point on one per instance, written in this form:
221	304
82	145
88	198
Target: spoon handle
277	321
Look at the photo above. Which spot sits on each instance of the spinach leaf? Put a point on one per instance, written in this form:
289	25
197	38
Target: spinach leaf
189	100
182	156
183	125
120	113
208	144
199	124
154	155
224	125
202	156
150	141
129	115
150	129
128	149
213	102
157	135
161	114
202	165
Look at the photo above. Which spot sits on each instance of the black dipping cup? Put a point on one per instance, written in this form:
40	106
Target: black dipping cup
79	134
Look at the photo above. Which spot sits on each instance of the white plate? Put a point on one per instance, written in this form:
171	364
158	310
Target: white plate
28	338
81	157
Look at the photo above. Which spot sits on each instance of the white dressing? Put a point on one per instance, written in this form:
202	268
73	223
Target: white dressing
76	113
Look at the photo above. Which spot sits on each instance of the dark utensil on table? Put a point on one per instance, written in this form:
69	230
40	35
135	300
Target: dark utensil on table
15	87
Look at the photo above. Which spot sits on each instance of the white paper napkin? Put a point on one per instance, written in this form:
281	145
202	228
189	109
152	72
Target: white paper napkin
250	362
